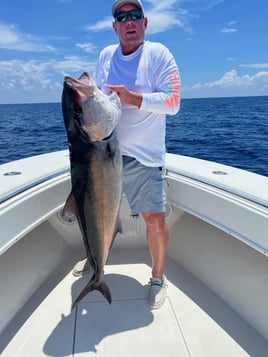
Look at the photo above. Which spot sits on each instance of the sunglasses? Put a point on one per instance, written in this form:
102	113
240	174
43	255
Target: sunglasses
133	14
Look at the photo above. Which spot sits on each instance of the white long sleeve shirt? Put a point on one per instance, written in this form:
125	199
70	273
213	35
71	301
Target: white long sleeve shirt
152	71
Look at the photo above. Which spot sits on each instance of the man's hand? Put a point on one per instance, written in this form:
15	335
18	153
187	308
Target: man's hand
126	96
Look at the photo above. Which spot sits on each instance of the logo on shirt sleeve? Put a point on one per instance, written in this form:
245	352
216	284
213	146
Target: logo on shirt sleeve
172	99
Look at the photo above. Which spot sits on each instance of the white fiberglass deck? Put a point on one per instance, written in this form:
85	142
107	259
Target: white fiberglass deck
193	321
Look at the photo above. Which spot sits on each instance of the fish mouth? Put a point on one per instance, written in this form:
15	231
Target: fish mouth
83	80
84	85
73	84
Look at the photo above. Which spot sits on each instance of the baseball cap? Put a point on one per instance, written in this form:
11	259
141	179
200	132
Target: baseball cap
119	3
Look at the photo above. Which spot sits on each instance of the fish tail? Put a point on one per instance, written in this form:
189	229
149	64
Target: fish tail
101	286
104	289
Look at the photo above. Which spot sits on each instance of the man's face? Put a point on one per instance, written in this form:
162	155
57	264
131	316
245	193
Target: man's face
131	31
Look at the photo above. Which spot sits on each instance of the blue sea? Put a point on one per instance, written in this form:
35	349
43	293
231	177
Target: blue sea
232	131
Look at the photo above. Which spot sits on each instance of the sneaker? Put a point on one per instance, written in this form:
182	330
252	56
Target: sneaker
157	292
82	268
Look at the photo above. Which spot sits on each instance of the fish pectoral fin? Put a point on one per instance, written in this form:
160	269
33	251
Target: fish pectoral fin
70	207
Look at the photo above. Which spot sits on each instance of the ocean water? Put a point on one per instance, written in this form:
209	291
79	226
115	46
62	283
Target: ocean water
232	131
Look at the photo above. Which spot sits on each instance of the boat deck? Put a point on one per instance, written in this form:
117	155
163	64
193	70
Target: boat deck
193	321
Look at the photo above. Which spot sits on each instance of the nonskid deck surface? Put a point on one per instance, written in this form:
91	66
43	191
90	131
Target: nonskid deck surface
192	322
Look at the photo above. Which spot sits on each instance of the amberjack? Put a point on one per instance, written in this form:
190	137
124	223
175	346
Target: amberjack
90	119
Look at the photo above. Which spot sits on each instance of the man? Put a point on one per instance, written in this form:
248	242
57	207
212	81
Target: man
146	78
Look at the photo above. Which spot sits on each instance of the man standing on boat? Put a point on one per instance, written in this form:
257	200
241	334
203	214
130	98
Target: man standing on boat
145	76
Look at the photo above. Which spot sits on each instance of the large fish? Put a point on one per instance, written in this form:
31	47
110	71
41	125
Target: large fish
90	119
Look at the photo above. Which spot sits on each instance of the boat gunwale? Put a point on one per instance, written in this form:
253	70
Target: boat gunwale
33	184
219	176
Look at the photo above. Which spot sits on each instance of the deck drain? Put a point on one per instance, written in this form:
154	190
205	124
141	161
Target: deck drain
220	173
12	173
66	218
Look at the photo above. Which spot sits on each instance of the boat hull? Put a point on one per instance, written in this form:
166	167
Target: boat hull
216	266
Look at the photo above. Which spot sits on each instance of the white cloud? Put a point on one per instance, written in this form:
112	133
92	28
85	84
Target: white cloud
73	64
255	65
212	3
87	47
229	28
37	81
102	25
11	38
231	84
170	13
170	18
25	81
231	23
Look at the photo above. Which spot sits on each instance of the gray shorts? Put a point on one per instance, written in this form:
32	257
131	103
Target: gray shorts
144	186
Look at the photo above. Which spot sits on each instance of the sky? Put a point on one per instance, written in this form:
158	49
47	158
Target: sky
220	46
